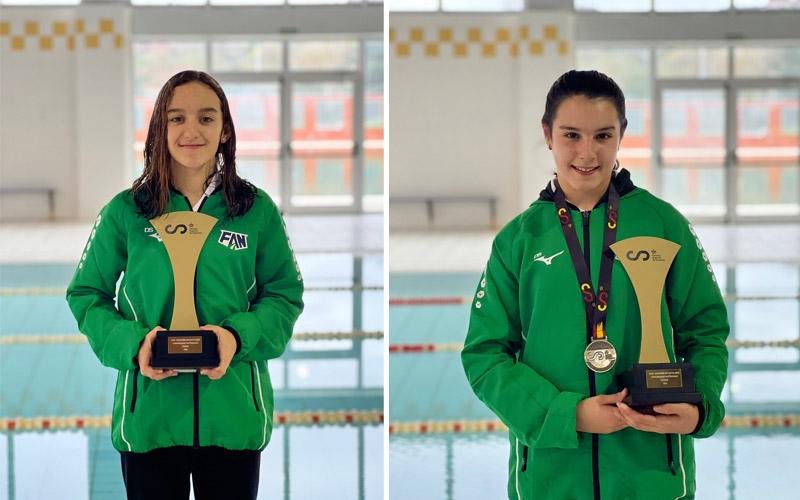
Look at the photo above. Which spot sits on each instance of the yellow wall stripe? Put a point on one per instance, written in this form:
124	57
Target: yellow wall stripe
43	36
106	26
483	42
59	28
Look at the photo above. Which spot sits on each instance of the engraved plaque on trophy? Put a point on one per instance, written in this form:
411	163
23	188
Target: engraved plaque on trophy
654	379
184	347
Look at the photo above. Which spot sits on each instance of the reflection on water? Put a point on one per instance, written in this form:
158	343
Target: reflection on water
731	465
83	463
66	379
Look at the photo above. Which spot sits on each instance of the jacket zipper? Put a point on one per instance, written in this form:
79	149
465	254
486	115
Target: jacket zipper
196	390
670	459
524	459
195	375
253	386
592	382
196	384
135	388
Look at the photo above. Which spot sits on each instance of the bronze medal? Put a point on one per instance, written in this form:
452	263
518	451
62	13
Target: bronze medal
600	356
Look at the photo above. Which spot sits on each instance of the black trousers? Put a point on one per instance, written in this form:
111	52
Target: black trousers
216	473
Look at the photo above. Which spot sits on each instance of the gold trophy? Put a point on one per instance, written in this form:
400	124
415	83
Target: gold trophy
184	347
654	379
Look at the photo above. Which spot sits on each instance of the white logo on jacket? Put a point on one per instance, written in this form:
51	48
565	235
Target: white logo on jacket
235	241
149	231
547	260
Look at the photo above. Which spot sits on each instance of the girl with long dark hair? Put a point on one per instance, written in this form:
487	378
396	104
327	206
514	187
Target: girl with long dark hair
209	425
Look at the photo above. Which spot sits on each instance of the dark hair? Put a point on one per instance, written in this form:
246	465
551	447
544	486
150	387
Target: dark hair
591	84
151	189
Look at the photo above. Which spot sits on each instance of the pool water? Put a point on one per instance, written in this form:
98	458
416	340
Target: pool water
300	462
736	463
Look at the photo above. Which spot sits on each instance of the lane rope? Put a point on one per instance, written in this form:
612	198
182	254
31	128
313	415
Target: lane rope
466	299
75	338
472	426
304	419
457	347
72	338
393	301
60	291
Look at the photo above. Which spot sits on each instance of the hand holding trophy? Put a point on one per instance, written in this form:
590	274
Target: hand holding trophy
654	380
184	347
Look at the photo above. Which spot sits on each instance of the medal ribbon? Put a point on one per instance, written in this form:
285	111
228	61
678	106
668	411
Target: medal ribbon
596	304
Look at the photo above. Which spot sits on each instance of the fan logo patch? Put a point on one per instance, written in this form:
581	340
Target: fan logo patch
234	241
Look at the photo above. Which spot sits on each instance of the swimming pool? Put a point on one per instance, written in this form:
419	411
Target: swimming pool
433	454
328	388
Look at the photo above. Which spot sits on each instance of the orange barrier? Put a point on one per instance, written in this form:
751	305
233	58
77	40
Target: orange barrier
471	426
456	347
412	348
306	418
59	291
74	338
466	299
428	301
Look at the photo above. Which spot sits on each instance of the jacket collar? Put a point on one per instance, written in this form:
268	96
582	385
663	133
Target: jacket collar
622	181
214	185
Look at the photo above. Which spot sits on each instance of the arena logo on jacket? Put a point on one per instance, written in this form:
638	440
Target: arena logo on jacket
234	241
149	231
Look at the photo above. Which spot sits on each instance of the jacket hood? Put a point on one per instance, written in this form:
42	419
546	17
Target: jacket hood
622	181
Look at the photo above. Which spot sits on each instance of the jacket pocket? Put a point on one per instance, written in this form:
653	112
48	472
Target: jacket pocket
253	386
135	388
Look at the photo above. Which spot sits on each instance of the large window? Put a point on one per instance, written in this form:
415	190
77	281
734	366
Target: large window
683	5
630	68
697	143
307	155
456	5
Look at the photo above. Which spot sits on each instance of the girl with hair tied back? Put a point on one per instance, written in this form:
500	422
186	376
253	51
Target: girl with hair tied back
571	434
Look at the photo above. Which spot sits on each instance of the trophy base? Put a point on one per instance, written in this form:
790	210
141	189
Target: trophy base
185	350
651	384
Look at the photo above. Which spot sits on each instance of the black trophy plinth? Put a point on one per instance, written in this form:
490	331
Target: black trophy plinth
651	384
185	350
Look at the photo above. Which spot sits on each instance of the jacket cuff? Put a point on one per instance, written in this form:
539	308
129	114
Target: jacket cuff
558	428
237	337
241	324
135	345
701	408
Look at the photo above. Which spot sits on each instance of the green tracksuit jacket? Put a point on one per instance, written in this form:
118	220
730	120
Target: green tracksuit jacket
251	286
523	353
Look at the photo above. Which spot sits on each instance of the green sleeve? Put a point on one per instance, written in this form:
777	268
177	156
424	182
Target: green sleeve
90	295
534	410
700	325
265	330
